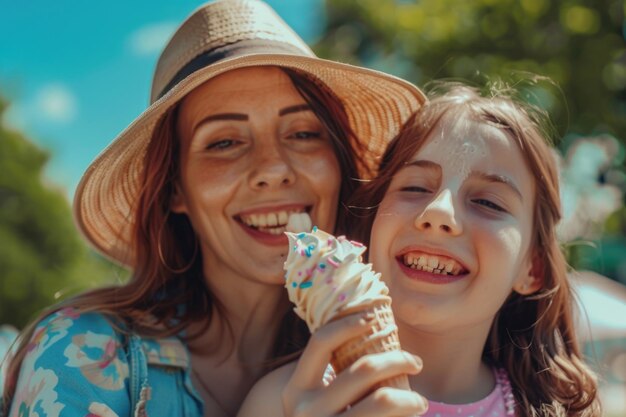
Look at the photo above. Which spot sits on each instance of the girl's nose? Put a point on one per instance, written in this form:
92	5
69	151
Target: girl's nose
271	168
439	216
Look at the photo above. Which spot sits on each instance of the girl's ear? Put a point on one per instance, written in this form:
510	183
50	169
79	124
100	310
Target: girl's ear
531	281
178	203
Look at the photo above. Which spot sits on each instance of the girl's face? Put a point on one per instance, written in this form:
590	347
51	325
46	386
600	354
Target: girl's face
452	234
252	152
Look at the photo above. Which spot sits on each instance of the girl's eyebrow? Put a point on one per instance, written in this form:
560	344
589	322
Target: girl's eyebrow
500	179
493	178
422	163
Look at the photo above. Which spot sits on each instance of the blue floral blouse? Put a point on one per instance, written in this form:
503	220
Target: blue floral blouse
79	365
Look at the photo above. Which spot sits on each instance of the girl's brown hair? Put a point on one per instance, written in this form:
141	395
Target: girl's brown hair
532	337
168	266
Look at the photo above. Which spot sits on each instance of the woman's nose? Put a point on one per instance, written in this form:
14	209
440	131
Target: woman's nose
271	168
439	216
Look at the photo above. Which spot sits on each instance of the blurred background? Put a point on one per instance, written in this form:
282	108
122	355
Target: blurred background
75	74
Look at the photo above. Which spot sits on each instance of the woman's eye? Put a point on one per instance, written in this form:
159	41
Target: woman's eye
306	135
221	144
489	204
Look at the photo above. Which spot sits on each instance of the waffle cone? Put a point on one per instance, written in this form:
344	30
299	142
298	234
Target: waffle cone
382	337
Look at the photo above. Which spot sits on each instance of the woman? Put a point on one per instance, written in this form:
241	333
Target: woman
246	126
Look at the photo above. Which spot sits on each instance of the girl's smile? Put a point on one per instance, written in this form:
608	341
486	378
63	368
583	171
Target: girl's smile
454	229
430	265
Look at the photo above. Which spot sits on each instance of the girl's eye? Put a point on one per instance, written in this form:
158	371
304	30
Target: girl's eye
489	204
414	189
305	135
221	144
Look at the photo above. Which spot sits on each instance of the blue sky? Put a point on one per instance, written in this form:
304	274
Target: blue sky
77	73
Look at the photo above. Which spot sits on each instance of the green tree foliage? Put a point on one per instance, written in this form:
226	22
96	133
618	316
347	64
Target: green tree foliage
566	56
579	44
42	257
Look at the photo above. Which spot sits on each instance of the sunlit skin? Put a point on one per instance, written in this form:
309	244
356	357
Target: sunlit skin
467	195
250	146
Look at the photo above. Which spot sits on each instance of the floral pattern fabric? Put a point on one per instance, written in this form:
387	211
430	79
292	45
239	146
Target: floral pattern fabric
78	365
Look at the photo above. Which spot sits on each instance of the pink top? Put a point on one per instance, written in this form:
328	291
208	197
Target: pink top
500	402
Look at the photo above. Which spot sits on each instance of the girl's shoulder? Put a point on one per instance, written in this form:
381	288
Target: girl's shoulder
264	399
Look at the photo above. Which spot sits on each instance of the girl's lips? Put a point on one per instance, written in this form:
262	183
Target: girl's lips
429	252
429	277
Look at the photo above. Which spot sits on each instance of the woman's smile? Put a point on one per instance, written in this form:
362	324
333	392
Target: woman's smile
269	224
252	153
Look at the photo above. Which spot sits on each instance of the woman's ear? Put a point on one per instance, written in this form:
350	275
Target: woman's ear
532	280
178	203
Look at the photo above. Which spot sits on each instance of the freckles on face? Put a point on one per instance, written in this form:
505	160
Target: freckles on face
252	152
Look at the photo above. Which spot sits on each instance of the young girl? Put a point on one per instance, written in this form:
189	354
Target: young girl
466	206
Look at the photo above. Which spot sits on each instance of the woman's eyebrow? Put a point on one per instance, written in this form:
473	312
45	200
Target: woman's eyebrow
500	179
294	109
239	117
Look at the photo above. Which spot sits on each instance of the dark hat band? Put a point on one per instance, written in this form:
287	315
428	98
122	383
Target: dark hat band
239	48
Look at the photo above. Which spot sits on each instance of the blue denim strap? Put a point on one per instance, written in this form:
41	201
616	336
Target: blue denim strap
138	368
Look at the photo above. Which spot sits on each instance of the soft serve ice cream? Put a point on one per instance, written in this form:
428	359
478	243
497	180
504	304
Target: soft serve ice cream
325	276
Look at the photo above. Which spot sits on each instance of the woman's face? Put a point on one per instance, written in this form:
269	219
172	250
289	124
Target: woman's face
453	232
252	152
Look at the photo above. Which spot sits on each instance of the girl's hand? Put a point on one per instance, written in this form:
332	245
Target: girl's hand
350	393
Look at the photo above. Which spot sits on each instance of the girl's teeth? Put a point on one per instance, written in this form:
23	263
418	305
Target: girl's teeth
433	264
272	220
283	217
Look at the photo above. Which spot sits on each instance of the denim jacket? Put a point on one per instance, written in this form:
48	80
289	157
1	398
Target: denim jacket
80	365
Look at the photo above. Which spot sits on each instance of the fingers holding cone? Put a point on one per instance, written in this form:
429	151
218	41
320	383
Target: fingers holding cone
351	392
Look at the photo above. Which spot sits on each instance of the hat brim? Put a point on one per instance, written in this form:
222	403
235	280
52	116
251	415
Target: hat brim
377	104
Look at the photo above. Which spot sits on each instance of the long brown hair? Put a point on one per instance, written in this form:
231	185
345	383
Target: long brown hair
532	337
167	274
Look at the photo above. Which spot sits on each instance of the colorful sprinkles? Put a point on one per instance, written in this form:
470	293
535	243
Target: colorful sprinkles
307	249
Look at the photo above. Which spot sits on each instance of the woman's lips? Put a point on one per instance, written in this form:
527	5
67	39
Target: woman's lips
268	225
265	237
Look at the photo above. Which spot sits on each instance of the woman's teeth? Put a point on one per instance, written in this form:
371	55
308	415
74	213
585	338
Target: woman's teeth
432	263
273	222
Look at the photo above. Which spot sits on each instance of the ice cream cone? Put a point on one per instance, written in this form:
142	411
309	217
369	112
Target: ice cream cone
327	280
383	337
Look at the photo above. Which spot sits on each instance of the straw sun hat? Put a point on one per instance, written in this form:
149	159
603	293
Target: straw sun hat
219	37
